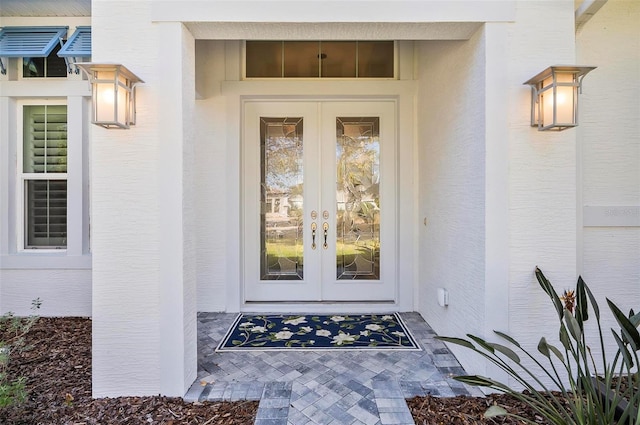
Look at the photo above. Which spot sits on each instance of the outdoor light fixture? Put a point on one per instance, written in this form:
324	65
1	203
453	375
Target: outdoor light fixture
554	97
113	94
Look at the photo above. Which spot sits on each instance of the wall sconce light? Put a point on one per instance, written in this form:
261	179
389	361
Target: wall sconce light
554	97
113	94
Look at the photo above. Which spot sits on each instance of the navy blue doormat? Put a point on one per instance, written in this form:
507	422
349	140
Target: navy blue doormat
266	332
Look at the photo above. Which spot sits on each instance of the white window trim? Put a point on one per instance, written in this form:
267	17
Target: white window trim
77	255
22	177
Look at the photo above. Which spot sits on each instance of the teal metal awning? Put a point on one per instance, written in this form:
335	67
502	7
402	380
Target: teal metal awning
28	42
78	45
32	42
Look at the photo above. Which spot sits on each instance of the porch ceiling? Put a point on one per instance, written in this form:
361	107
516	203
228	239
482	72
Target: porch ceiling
45	8
332	30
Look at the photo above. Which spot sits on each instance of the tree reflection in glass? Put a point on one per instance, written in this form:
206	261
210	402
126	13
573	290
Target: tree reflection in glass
281	239
358	198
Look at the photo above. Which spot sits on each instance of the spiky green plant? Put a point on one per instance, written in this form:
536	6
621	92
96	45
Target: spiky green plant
13	329
575	393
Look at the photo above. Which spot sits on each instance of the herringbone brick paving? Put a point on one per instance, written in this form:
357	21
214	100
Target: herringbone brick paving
325	387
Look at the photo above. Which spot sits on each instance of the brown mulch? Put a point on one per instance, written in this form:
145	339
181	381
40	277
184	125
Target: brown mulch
464	410
58	372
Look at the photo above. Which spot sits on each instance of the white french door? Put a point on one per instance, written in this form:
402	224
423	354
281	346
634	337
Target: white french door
319	218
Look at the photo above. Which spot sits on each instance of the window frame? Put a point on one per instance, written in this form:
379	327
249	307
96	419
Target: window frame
22	178
243	57
54	53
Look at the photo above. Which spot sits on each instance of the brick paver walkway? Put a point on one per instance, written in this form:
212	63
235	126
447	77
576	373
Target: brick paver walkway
325	387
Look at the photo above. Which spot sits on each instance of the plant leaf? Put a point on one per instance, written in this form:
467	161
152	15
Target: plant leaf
582	309
557	352
626	326
543	348
628	360
508	338
457	341
548	288
506	351
573	325
481	342
494	411
476	380
634	318
592	299
564	337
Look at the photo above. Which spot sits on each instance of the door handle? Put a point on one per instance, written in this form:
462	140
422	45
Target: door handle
325	228
314	227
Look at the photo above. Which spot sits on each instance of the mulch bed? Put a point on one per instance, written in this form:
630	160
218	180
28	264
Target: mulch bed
464	410
58	372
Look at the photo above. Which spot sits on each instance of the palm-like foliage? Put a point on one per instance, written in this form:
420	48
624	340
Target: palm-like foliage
574	396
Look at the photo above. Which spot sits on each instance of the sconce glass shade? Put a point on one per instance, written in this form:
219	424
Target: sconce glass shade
113	94
554	97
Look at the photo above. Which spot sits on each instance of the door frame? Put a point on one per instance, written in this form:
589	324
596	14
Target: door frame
403	93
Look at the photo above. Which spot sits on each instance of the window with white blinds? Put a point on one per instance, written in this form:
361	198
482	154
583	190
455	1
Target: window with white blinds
44	176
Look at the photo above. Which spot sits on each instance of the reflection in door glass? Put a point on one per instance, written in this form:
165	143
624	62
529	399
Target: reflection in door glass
281	241
358	198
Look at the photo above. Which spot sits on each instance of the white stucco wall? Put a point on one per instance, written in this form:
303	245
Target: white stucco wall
542	174
489	273
451	122
609	153
63	292
211	184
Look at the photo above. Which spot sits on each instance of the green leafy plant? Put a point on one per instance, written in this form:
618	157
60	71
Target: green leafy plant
12	332
575	392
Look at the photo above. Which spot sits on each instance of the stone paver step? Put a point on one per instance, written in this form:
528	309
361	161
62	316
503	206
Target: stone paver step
325	387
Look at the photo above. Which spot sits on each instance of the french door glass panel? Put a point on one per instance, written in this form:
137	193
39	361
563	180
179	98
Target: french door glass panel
281	198
319	201
358	198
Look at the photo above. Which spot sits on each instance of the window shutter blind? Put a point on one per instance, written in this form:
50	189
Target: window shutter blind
46	213
45	147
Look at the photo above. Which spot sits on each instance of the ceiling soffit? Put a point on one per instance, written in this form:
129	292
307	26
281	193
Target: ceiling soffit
332	31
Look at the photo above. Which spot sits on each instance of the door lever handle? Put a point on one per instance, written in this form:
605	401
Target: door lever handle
314	227
325	228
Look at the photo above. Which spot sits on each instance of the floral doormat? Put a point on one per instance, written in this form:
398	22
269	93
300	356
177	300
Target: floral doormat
317	332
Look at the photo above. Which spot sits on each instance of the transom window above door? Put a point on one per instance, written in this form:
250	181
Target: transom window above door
319	59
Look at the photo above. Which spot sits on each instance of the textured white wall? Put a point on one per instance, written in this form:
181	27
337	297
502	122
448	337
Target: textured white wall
451	122
542	173
62	292
211	176
189	335
609	143
176	171
459	111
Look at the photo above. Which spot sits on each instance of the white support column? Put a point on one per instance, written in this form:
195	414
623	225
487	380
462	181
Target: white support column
144	311
176	171
496	295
